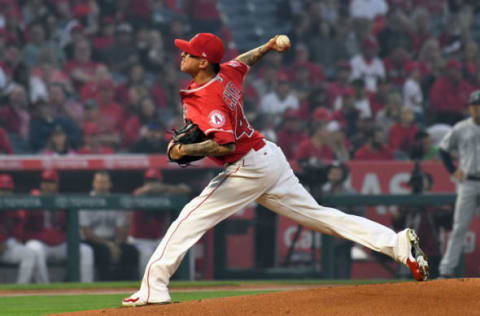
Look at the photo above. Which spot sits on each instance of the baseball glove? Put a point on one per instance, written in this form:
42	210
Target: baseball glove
189	134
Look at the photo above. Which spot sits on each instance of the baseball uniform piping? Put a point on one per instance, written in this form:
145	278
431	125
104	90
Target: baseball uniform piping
181	221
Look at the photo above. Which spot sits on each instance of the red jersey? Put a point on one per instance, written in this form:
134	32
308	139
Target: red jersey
367	153
217	108
148	224
46	226
306	150
11	225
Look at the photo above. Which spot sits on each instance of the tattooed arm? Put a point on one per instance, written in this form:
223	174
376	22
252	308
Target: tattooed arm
206	148
254	55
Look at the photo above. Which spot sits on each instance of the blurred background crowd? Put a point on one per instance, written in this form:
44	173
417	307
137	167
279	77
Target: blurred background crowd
365	79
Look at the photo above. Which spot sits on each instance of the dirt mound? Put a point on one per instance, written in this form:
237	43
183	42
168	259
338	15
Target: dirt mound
439	297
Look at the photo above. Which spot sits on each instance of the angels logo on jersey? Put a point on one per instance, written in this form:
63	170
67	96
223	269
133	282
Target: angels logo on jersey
216	119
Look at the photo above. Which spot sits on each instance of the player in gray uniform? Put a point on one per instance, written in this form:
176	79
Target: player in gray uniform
464	140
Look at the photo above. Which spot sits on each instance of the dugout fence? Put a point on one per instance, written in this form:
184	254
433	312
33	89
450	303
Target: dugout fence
72	203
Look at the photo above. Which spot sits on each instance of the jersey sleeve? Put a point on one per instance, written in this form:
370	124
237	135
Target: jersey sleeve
450	141
235	68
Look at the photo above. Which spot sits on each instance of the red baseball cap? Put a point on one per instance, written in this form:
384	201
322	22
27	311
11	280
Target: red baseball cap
205	45
321	114
153	174
50	176
6	182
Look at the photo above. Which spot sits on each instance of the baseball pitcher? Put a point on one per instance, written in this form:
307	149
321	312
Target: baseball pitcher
254	170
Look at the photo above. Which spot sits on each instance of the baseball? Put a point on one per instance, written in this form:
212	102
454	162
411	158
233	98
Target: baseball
283	41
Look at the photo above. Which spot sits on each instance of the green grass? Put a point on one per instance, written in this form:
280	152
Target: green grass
43	305
33	305
182	284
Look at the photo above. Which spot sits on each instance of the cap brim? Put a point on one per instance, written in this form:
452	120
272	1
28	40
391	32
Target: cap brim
184	46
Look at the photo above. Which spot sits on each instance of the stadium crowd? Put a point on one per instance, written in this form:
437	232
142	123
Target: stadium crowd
365	79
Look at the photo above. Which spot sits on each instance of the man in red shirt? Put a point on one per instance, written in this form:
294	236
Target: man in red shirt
44	234
316	147
374	149
11	227
254	170
148	227
449	95
402	134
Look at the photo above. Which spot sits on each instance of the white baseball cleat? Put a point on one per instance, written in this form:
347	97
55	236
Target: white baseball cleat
135	300
417	261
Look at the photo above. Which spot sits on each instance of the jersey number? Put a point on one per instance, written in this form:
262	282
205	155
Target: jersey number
242	127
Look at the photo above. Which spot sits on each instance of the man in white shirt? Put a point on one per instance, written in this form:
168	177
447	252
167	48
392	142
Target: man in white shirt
367	65
106	232
368	9
412	92
276	102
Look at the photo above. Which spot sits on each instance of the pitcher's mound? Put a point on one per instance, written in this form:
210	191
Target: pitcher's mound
438	297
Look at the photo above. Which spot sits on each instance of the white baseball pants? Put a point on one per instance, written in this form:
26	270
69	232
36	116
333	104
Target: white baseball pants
46	253
17	253
265	176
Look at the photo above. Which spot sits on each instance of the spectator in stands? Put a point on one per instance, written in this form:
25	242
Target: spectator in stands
44	234
336	184
394	33
419	31
347	115
390	114
106	37
449	94
12	250
316	147
395	64
368	9
204	15
14	116
63	106
470	62
58	143
267	83
106	232
122	54
367	65
44	123
136	79
37	44
327	49
91	142
13	66
379	99
282	99
5	146
412	91
302	60
91	89
292	133
137	123
81	68
148	227
423	147
111	113
152	142
402	134
375	148
340	83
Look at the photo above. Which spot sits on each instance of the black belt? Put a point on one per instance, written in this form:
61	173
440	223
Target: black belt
473	178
